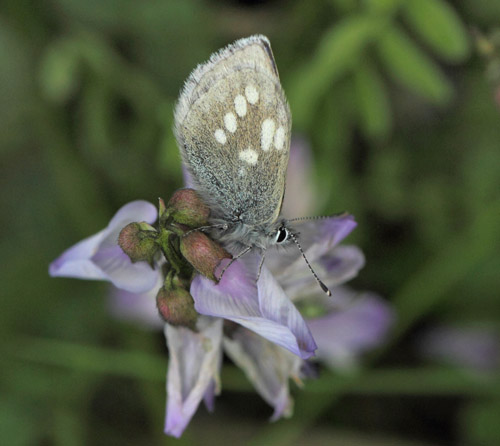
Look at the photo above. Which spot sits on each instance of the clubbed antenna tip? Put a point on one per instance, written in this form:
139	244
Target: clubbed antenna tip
325	288
321	284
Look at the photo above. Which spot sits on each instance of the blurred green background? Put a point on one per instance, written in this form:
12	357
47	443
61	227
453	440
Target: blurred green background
400	101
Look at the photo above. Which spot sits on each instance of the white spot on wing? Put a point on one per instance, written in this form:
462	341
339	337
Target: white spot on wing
252	94
240	105
250	156
220	136
279	138
267	134
230	122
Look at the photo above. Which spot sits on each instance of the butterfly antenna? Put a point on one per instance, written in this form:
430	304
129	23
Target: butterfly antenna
322	217
321	284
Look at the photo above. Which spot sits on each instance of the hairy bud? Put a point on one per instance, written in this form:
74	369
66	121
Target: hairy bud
187	208
138	241
176	306
203	253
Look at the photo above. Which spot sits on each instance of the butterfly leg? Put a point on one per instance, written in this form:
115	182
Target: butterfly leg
223	227
241	254
261	264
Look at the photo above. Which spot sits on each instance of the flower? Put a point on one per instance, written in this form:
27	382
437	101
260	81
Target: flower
139	308
256	323
193	371
359	323
100	258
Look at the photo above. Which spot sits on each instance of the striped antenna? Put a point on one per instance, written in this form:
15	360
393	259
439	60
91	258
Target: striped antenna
321	284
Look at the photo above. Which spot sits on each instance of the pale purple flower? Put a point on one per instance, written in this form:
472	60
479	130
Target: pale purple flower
195	360
99	257
262	307
359	323
270	340
137	307
267	365
468	346
271	353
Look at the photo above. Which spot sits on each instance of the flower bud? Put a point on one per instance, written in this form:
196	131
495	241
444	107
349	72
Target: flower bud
176	306
138	241
161	207
187	208
203	253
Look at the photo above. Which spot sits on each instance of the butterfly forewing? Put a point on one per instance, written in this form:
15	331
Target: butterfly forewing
233	126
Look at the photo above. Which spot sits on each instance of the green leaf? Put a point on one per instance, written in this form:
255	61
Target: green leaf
439	26
339	48
412	67
372	101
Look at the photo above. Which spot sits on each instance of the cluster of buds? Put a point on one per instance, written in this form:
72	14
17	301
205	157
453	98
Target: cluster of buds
186	249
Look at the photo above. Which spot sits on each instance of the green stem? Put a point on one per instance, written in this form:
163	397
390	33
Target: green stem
150	367
87	358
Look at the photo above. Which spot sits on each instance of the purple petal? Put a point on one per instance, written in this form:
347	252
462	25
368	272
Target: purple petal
276	306
330	230
316	238
334	266
99	256
342	336
265	309
76	261
342	264
138	210
121	272
137	307
268	366
194	364
209	397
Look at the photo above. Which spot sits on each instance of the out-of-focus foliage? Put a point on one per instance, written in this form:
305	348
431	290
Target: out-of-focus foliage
372	30
400	100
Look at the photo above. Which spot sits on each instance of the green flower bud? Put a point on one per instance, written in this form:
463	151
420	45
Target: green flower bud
203	253
187	208
138	241
176	306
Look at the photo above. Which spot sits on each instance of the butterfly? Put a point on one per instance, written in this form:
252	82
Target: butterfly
233	127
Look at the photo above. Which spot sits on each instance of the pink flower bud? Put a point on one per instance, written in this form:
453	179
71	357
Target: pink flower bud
138	241
176	306
203	253
187	208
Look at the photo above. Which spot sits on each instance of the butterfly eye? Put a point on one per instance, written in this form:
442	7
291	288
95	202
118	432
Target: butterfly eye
281	235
